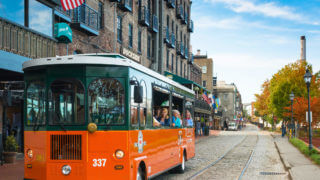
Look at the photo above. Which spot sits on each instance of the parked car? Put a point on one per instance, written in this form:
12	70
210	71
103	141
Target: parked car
232	126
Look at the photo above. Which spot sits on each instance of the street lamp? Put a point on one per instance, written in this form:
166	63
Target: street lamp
292	123
307	79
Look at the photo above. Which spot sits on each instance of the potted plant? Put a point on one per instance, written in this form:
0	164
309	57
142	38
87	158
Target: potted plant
10	150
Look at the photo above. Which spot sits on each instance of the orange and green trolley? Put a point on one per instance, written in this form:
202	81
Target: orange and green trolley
92	116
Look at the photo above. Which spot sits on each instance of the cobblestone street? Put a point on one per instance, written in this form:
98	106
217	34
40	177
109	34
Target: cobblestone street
250	153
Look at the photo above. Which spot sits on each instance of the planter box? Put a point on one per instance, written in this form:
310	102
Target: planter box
9	157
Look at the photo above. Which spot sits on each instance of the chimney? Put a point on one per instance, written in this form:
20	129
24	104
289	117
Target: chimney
303	48
198	52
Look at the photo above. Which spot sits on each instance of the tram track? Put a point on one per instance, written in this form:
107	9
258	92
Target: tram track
204	173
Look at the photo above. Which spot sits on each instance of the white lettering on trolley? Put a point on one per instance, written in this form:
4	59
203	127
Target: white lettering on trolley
99	162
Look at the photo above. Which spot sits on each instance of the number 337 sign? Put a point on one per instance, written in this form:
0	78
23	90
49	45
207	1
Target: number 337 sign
99	162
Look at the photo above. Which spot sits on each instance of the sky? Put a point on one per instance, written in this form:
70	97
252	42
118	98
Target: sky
250	40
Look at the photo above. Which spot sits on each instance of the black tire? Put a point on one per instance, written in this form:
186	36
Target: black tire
140	174
181	168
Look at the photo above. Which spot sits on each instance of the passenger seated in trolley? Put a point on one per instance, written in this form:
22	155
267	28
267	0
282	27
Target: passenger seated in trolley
176	119
164	118
189	120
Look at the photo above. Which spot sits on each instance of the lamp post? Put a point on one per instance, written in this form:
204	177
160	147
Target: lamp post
307	79
292	123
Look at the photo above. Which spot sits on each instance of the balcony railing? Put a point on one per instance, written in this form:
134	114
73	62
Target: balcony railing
180	12
171	3
115	1
155	24
66	15
126	5
185	19
202	105
167	36
87	18
144	16
190	26
23	41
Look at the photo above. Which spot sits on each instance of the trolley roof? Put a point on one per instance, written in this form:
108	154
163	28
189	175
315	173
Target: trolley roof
100	59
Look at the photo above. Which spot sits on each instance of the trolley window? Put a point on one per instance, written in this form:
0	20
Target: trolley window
36	103
66	102
106	101
139	108
161	107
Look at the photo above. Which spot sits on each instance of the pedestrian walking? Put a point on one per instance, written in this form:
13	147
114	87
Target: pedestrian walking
283	128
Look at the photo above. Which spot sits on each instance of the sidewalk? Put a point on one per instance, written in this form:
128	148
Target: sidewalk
12	171
212	133
298	165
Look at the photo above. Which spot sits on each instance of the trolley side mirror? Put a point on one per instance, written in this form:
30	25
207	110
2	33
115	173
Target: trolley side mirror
138	94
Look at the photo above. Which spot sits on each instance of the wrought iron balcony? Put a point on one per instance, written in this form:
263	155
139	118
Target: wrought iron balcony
171	3
86	18
167	36
26	42
185	19
172	43
61	13
180	12
190	26
155	24
144	16
200	104
126	5
115	1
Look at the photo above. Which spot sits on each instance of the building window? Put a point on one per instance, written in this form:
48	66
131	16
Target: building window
181	67
101	14
204	69
40	17
167	59
204	83
130	4
149	47
139	41
177	65
13	10
184	70
172	64
119	29
130	35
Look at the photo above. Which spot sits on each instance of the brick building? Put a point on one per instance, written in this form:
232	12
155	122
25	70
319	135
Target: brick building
206	65
154	33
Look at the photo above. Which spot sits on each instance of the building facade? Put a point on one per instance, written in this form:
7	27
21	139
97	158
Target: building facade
206	65
230	101
154	33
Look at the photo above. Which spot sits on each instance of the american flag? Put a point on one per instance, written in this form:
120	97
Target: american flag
71	4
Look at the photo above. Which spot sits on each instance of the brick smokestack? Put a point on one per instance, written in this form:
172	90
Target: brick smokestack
303	48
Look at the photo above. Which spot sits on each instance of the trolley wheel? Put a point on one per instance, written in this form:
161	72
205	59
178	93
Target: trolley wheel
182	166
140	174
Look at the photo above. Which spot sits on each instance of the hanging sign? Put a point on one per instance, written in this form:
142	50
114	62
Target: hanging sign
63	33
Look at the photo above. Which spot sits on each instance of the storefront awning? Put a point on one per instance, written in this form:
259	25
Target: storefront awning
184	81
11	62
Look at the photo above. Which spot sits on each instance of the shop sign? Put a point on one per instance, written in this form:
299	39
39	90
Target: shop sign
63	33
126	52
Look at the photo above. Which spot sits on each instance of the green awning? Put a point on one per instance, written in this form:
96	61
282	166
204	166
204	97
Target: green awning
183	81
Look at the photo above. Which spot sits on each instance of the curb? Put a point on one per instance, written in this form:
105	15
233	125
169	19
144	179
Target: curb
285	163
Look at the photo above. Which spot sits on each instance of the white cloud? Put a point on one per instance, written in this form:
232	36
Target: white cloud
269	9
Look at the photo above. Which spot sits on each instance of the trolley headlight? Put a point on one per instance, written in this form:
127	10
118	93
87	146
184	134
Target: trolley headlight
66	169
119	154
30	153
